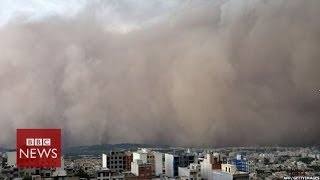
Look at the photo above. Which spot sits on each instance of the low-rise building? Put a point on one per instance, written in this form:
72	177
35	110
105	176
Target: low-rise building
190	172
141	170
229	172
108	174
240	163
175	160
221	175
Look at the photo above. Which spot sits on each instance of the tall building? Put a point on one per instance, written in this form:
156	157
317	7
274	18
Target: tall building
159	159
151	160
211	162
176	160
128	158
116	160
240	163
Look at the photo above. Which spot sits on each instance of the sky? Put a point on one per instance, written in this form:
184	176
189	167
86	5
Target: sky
121	16
205	73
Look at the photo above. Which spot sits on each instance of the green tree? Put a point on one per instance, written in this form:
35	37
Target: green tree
306	160
82	174
27	177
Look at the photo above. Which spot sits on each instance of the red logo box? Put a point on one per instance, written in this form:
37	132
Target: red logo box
38	148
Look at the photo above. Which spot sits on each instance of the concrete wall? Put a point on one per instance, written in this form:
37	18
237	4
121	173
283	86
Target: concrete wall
135	168
104	160
169	165
206	167
183	171
141	156
12	158
158	163
216	174
229	168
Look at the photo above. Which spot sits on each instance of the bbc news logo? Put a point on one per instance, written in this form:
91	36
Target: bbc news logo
38	142
38	148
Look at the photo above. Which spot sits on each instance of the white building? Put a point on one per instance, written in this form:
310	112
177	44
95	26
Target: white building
147	157
104	160
230	168
191	172
159	163
60	175
229	172
169	162
211	161
135	166
143	156
11	158
221	175
174	161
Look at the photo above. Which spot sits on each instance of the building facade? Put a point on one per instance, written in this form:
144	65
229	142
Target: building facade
241	164
116	160
159	159
211	162
141	170
190	172
108	174
229	172
176	160
147	157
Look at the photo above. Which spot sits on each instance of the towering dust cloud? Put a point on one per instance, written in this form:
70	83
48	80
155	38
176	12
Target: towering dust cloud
200	73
